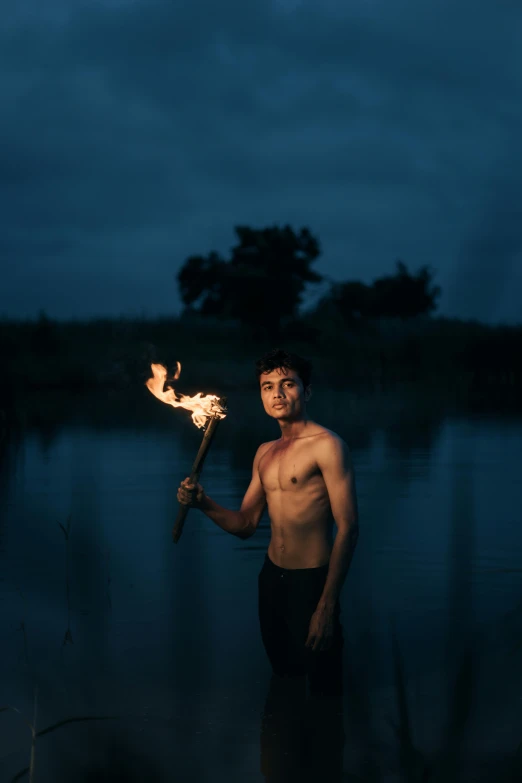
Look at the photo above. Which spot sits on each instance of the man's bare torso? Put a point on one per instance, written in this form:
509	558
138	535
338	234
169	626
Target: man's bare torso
297	498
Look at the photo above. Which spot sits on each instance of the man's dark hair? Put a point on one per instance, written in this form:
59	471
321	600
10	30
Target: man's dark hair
281	360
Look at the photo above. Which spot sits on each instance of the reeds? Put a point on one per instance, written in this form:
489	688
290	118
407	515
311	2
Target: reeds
414	765
447	764
30	770
67	639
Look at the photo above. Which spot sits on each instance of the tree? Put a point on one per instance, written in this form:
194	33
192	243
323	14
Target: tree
352	299
394	296
403	295
261	284
200	282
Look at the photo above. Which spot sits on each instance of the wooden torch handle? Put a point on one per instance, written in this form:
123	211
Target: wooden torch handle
197	467
180	521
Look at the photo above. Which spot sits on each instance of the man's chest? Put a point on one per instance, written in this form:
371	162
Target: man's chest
288	467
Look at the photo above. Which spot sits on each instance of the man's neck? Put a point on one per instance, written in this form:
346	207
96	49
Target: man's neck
293	429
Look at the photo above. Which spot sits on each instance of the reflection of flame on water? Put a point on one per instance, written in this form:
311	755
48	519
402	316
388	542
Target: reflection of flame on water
202	406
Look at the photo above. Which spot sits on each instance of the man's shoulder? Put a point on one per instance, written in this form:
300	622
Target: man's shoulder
324	435
263	448
328	441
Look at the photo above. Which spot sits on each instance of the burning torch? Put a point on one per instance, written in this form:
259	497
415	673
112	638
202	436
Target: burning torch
207	412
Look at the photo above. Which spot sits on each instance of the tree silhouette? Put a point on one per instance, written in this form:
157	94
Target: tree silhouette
352	299
404	295
200	282
261	284
395	296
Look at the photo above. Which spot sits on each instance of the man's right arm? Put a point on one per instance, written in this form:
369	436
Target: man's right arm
242	523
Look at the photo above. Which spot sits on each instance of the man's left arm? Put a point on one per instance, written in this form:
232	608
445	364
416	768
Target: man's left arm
335	463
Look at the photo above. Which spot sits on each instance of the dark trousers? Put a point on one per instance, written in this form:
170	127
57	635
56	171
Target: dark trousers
287	600
300	736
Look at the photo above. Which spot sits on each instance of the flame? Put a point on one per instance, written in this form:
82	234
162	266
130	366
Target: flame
202	406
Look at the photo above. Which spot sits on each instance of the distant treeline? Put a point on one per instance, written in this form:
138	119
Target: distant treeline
446	355
379	337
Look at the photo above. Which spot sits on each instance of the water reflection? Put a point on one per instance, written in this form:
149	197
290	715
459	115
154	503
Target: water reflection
8	455
302	734
169	637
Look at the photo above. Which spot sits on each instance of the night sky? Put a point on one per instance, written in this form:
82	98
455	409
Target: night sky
135	133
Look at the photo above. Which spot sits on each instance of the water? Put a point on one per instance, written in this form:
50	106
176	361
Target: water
165	637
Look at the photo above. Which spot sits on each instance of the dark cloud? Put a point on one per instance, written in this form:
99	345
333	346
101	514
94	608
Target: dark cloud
135	133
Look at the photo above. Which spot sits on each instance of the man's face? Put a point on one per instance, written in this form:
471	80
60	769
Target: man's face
283	394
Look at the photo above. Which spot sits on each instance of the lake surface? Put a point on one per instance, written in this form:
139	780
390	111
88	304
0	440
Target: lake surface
163	639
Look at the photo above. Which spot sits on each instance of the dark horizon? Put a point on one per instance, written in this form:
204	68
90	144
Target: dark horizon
176	316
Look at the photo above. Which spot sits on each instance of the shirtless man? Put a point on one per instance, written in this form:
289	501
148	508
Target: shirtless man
306	478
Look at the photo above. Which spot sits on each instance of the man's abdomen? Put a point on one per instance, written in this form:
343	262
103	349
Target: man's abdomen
297	544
